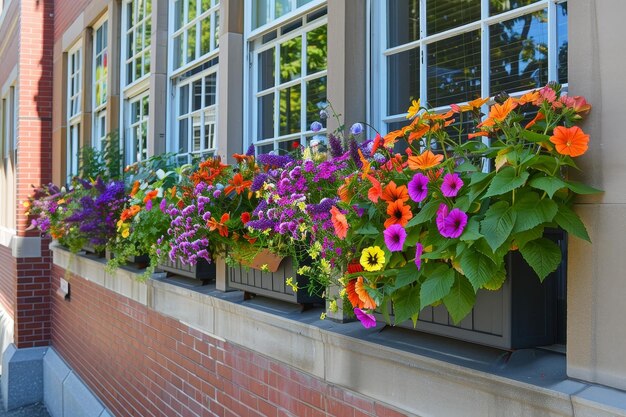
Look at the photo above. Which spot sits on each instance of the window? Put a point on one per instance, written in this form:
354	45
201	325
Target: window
100	73
137	20
448	54
74	110
137	135
287	74
194	44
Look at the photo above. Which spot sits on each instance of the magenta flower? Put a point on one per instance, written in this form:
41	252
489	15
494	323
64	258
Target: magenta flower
453	224
452	183
442	213
395	235
367	320
419	249
418	187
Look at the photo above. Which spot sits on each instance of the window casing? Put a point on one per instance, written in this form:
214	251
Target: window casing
100	77
137	22
74	109
287	74
193	64
445	54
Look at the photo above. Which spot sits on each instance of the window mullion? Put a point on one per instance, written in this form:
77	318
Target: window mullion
423	75
277	93
552	43
303	91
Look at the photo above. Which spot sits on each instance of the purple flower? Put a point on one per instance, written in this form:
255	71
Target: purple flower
149	205
452	183
258	181
336	150
217	193
419	249
278	161
316	126
250	151
395	235
442	213
356	129
367	320
418	187
261	224
354	153
163	205
453	224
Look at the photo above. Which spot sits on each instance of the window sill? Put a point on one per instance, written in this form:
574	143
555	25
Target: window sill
416	372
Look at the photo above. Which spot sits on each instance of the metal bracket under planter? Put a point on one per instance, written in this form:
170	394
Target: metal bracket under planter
273	284
521	314
202	270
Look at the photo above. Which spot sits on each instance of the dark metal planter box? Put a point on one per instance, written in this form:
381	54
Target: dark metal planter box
269	284
89	248
522	314
202	270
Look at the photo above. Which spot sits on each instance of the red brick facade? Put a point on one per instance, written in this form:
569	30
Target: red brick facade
141	363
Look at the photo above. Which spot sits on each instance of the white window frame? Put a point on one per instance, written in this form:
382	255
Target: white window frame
254	47
74	106
379	23
135	149
99	112
147	44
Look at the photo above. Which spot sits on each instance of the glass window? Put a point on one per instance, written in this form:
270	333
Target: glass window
196	31
139	113
74	109
138	33
266	11
100	74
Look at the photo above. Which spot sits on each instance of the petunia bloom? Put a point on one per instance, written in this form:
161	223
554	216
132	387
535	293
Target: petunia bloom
424	161
418	187
365	300
393	193
453	224
366	319
375	191
372	258
442	213
570	141
399	213
353	297
339	222
395	235
451	185
419	249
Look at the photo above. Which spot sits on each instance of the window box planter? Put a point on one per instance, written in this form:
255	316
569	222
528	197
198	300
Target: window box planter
202	270
89	248
521	314
271	282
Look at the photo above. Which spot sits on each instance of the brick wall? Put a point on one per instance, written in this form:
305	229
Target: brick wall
66	13
7	280
142	363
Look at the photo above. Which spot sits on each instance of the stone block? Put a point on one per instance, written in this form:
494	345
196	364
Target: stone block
78	400
22	376
55	371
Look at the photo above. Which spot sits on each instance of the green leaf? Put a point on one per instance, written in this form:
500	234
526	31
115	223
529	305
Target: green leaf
530	211
406	275
426	213
437	285
471	231
533	136
462	203
461	299
498	224
571	223
368	229
496	281
548	184
466	167
522	238
413	237
580	188
406	304
478	268
506	180
543	163
543	256
479	177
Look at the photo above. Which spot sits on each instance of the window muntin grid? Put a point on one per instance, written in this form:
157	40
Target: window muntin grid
137	31
100	80
194	31
137	132
74	109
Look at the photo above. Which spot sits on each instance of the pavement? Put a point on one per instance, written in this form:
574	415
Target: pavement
35	410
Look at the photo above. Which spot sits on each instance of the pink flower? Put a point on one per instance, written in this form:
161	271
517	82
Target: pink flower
367	320
419	249
442	213
395	235
452	183
418	187
453	224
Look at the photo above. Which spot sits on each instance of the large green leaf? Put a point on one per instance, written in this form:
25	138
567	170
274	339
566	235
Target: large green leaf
580	188
478	268
437	285
406	275
460	300
548	184
497	224
534	136
496	280
368	229
406	304
471	232
526	236
531	211
543	255
426	213
571	223
506	180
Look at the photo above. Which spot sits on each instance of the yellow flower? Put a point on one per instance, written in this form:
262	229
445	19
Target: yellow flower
325	266
302	205
303	270
265	268
323	316
414	109
26	204
372	258
125	233
342	293
293	285
332	306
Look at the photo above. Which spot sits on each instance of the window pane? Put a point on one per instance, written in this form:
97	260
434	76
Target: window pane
178	15
184	99
192	13
146	109
178	51
442	15
282	7
197	134
403	24
265	117
140	9
206	5
561	41
148	7
210	90
196	103
302	2
290	105
500	6
147	34
288	145
290	59
183	135
260	13
191	43
205	40
519	53
209	129
130	51
130	16
216	29
316	97
134	112
138	68
316	50
266	69
146	62
264	149
454	69
403	80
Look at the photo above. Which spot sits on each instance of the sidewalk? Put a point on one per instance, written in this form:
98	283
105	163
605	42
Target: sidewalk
35	410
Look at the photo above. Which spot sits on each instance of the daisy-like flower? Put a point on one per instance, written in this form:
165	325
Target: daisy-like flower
570	141
372	258
452	183
393	193
453	224
395	235
418	187
399	213
419	249
424	161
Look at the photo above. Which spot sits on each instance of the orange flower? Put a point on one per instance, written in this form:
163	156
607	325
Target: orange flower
570	141
398	213
237	184
528	98
392	137
366	165
339	222
219	226
425	161
538	117
476	134
393	193
173	191
150	195
375	191
245	217
353	297
395	162
364	297
499	112
419	133
135	189
378	140
344	192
